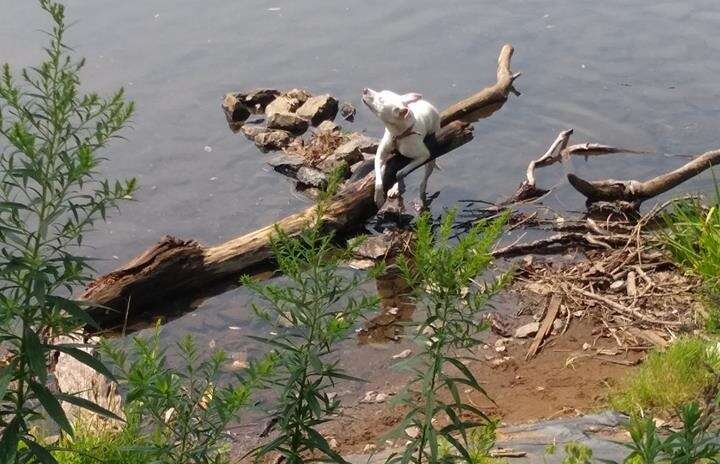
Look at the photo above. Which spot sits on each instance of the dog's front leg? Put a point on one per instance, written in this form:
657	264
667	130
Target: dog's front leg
422	154
384	151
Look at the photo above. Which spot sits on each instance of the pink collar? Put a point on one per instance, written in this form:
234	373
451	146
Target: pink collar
410	131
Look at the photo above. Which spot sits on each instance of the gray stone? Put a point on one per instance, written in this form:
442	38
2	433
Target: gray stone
235	111
352	151
318	109
287	164
282	104
312	177
329	126
527	330
258	99
332	162
272	139
287	121
251	130
347	111
300	95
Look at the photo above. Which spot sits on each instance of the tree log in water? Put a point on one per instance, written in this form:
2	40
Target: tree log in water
636	192
174	266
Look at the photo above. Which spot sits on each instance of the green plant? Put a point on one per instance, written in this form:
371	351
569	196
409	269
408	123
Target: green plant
182	412
692	236
95	441
668	379
481	440
313	312
696	442
577	453
443	276
51	136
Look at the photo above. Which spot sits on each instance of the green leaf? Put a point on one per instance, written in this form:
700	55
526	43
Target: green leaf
52	406
85	358
6	375
74	310
35	354
9	440
40	452
89	405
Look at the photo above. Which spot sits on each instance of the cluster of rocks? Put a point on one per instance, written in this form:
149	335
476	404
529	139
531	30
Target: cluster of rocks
287	116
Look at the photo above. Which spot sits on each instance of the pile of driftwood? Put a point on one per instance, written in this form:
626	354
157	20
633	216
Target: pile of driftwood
614	273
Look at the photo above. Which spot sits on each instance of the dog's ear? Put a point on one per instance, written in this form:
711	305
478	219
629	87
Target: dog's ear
410	97
404	112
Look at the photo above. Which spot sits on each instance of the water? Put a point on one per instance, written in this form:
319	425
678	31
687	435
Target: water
631	73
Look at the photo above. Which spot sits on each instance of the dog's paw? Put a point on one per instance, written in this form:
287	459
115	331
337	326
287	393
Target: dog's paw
394	191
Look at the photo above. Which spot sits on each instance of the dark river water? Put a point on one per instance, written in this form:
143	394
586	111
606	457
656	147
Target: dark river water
634	73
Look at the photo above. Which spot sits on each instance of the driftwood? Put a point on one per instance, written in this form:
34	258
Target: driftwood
546	326
636	192
557	153
173	267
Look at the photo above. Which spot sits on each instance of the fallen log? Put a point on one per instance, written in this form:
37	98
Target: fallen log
636	192
173	267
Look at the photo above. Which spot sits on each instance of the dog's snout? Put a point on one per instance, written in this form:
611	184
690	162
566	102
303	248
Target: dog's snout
366	91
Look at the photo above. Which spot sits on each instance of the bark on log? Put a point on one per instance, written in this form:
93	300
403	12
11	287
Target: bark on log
173	267
634	191
488	100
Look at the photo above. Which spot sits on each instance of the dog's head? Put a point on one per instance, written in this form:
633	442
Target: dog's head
390	107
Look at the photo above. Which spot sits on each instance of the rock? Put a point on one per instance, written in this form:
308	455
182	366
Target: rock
558	325
311	177
271	139
586	346
300	95
282	104
412	432
318	109
369	448
617	285
288	102
381	398
287	121
251	131
369	397
403	354
329	126
500	342
347	111
498	362
73	377
500	349
527	330
258	99
332	163
374	247
235	111
333	443
499	325
287	164
352	150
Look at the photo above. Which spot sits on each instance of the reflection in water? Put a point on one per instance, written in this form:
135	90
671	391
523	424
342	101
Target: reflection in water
396	306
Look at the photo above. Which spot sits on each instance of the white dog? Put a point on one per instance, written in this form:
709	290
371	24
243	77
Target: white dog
408	119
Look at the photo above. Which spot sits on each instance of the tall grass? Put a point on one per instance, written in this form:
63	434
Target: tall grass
668	379
692	236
